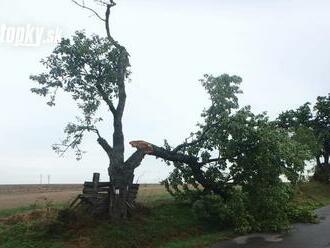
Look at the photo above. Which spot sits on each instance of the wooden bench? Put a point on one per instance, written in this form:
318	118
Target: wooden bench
96	195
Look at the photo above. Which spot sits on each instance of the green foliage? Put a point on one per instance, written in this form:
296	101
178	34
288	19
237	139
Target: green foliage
255	210
302	214
91	70
212	208
225	214
307	197
251	155
311	127
268	205
311	194
261	209
79	66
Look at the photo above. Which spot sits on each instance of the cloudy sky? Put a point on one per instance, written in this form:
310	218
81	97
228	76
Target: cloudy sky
279	47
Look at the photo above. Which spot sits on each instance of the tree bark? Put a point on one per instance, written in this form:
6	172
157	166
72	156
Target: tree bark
121	173
120	177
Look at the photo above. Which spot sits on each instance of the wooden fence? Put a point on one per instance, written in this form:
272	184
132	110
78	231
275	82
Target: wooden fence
96	195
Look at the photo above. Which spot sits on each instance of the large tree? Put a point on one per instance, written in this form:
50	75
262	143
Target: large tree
311	126
94	71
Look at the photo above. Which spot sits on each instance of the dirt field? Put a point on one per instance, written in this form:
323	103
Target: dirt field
14	196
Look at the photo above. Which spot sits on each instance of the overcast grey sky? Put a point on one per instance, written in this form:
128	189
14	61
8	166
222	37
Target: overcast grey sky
279	47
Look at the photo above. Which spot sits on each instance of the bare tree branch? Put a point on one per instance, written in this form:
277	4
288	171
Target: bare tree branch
73	144
95	131
82	5
107	24
105	145
102	142
103	2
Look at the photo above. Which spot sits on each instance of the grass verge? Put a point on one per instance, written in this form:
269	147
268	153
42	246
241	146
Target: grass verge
160	223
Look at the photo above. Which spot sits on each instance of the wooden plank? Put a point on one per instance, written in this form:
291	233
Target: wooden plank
93	195
74	201
96	180
98	190
101	184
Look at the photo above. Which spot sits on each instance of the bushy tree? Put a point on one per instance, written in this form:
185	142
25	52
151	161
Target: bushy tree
311	126
235	154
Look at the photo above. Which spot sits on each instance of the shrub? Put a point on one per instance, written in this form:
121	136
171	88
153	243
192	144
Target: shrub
232	212
253	209
268	205
301	214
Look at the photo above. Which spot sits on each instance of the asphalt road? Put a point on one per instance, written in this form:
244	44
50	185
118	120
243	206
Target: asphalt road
301	236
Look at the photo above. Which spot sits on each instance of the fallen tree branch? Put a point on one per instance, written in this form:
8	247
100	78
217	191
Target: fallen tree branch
174	156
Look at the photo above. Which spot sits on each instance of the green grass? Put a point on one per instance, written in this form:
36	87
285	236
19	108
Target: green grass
166	225
160	223
17	231
13	211
312	194
26	209
23	235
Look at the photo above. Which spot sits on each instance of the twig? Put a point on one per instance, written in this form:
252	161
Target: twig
90	9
